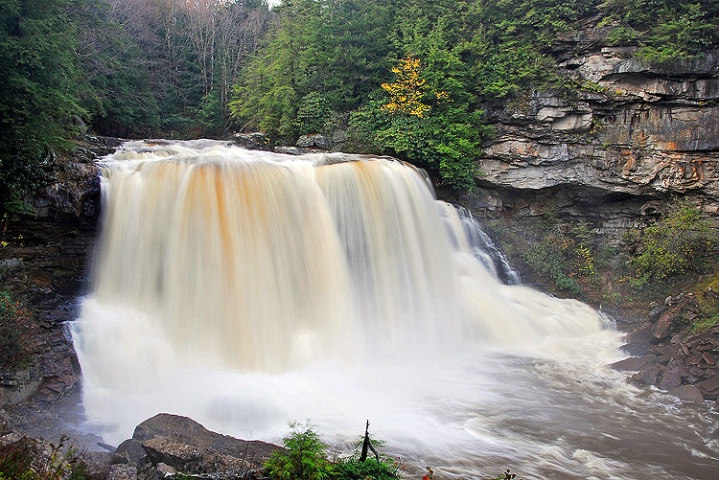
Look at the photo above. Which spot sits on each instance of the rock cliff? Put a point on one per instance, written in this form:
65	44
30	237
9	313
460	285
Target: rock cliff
43	262
612	150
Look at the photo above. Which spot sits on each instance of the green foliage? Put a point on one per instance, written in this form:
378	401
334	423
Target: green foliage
351	468
439	129
14	332
666	30
313	114
22	460
37	79
511	42
563	253
321	57
708	302
164	67
507	475
305	457
673	245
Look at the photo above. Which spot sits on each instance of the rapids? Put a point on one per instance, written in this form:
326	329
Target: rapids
248	290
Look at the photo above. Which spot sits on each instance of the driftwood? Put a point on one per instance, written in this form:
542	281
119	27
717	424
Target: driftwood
367	445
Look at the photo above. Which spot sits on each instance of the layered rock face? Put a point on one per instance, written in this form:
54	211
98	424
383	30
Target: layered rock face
614	150
43	264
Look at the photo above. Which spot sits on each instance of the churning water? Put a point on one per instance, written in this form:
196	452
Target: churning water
248	290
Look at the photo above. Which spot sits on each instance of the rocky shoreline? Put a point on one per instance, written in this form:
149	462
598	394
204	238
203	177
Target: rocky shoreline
680	363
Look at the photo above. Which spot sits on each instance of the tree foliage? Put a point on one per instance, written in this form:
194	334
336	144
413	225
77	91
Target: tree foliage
665	30
305	458
325	54
14	332
37	75
412	75
678	242
407	93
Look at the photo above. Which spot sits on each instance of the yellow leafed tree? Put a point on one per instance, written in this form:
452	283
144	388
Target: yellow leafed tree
407	93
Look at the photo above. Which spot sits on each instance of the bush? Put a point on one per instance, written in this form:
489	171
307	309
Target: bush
675	244
14	332
305	457
24	458
352	468
563	253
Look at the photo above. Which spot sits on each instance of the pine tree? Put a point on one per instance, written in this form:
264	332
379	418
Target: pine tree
38	79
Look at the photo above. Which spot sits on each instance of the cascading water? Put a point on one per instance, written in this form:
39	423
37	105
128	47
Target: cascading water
248	290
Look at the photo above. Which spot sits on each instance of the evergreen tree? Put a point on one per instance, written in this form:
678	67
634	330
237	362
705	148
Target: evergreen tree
322	57
38	80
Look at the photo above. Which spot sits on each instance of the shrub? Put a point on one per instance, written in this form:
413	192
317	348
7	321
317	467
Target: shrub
304	457
14	332
25	458
507	475
352	468
563	252
673	245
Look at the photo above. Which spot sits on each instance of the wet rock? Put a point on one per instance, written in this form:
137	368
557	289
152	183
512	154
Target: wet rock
18	384
122	472
709	358
656	312
672	377
293	150
129	452
164	471
687	393
313	141
662	329
253	141
648	376
97	464
710	388
188	447
632	364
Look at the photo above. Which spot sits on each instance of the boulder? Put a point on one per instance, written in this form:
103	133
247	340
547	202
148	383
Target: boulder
314	140
633	364
180	443
648	376
709	387
129	452
687	393
253	141
122	472
663	327
672	377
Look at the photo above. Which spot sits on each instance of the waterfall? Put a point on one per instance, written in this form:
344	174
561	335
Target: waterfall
263	262
251	289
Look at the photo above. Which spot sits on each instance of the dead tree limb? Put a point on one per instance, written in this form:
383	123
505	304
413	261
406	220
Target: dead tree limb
367	445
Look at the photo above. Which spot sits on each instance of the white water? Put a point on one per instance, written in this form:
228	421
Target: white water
248	290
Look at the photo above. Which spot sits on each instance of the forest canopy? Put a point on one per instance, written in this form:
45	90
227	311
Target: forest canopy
193	68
